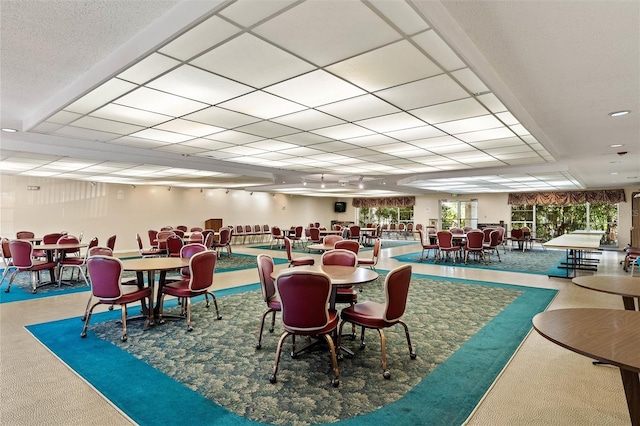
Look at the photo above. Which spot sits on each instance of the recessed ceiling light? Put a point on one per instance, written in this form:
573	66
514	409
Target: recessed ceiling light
9	130
619	113
616	145
614	173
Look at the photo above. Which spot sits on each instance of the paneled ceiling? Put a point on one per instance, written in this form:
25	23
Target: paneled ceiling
321	97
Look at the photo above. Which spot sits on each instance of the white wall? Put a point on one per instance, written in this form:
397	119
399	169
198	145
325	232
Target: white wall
106	209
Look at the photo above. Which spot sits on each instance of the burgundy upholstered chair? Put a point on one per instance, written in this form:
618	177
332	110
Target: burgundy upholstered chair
373	260
354	232
495	240
106	276
174	244
201	268
474	245
304	297
330	240
196	237
7	261
223	241
296	261
296	236
187	251
427	246
111	242
153	238
378	316
24	234
196	229
23	261
182	228
269	294
342	257
179	232
446	246
71	259
350	245
152	252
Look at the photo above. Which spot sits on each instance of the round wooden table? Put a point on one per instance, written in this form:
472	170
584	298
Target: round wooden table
627	287
611	336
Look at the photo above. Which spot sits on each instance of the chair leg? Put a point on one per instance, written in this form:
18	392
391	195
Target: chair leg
86	310
188	303
412	354
88	317
273	378
264	315
215	304
13	275
383	348
123	310
334	361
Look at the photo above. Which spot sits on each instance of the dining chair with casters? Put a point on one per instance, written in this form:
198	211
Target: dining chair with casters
153	238
95	250
277	237
493	246
475	245
373	260
23	261
174	244
304	298
446	246
151	252
351	245
111	242
106	276
378	316
427	246
224	241
199	282
269	294
296	261
342	257
71	259
7	261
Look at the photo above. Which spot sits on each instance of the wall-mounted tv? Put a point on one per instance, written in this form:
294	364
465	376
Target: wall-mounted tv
340	207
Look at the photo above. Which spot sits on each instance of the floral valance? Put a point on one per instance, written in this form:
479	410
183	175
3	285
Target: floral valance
567	198
384	202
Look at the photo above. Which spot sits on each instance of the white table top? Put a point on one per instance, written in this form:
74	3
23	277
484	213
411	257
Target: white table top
574	242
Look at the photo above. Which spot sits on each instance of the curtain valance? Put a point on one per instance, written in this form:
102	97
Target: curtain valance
408	201
567	198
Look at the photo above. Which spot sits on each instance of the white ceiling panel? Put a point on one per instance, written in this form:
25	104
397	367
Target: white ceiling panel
308	120
159	102
263	105
148	68
423	93
359	108
437	49
100	96
161	135
190	128
449	111
130	115
315	88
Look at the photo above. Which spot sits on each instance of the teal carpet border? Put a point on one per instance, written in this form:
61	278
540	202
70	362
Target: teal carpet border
436	400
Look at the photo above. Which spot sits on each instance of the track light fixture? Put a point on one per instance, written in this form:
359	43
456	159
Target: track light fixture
227	191
322	182
133	187
169	189
304	182
360	184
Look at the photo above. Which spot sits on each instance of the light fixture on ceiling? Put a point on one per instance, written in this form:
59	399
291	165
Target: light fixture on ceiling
616	145
304	182
201	190
133	187
9	130
169	189
360	183
251	193
92	183
322	182
227	191
619	113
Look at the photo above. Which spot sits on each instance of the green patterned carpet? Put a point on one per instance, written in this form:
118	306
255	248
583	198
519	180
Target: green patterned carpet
463	333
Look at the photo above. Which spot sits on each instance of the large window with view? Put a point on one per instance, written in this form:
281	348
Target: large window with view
458	214
385	215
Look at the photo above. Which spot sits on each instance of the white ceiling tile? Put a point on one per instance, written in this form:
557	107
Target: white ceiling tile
315	88
200	38
303	139
392	148
470	81
435	47
402	15
507	118
263	105
159	102
343	131
430	91
359	108
271	145
248	12
267	129
242	150
46	128
335	146
100	96
492	102
220	117
87	134
415	133
241	57
161	135
207	144
438	141
148	68
391	122
387	66
324	32
203	86
301	152
498	143
519	129
63	117
474	124
371	140
235	137
308	120
106	125
179	148
449	111
130	115
276	156
138	142
190	128
481	135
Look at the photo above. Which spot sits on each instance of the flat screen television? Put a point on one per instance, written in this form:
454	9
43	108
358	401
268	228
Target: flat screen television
340	207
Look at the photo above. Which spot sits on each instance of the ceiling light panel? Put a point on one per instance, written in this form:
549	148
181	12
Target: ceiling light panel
315	88
267	129
203	86
241	57
470	81
422	132
425	92
316	31
470	124
161	135
309	119
450	111
181	149
271	145
220	117
401	15
234	137
492	103
359	108
385	67
335	146
389	123
159	102
207	144
263	105
148	68
343	131
189	128
100	96
129	115
431	43
501	132
304	139
200	38
106	125
138	142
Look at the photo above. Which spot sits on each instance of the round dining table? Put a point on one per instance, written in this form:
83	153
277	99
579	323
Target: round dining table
625	286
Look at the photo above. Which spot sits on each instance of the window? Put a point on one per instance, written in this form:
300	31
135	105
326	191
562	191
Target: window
458	214
385	215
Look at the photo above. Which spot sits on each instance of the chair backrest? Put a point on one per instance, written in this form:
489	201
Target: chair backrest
179	232
339	257
401	227
139	241
239	229
153	236
418	227
208	240
51	238
299	231
69	239
376	248
257	229
314	234
201	268
6	252
409	227
467	229
187	251
265	268
424	238
396	287
275	231
457	231
516	233
354	231
92	243
196	229
21	253
265	229
526	231
287	246
445	239
100	251
495	238
350	245
501	230
25	234
475	240
182	228
106	274
111	242
174	244
225	236
331	239
487	234
304	297
248	229
167	228
196	237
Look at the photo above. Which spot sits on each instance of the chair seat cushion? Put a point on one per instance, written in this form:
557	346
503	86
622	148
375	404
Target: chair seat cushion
346	295
365	261
181	289
303	260
40	265
73	261
367	314
274	303
129	297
